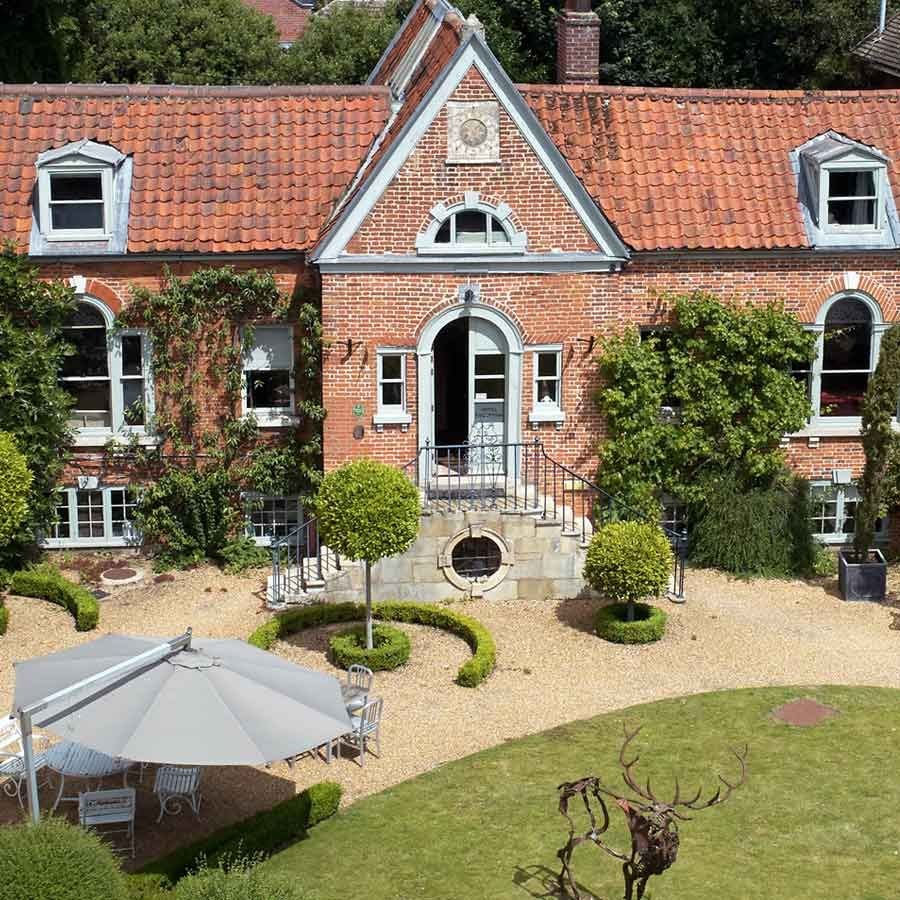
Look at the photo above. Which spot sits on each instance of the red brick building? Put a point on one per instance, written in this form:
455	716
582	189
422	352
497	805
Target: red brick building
468	237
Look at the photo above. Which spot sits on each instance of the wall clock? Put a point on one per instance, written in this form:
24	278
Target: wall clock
473	132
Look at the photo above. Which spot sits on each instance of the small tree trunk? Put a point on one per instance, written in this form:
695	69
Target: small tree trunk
629	612
369	644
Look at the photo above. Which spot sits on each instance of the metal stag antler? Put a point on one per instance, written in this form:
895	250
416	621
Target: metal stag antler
653	823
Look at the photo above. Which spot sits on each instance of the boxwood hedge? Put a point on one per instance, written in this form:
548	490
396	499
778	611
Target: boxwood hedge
390	648
649	623
46	583
481	643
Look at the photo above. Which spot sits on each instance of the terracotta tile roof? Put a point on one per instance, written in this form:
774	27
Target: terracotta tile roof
290	16
704	169
215	169
881	49
418	16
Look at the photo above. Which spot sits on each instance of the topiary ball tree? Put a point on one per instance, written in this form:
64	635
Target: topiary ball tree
15	483
367	510
628	562
58	861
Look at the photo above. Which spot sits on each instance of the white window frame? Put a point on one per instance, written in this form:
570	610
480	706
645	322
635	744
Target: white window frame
274	416
426	241
679	513
840	424
46	172
845	166
391	414
842	494
250	506
130	538
546	412
89	436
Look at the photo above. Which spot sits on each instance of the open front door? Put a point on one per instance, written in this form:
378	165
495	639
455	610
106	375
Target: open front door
487	392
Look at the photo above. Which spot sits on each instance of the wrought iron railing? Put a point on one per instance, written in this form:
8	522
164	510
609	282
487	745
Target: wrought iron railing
300	561
522	477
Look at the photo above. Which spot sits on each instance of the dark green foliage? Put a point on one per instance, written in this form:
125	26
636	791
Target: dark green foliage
824	562
391	648
46	583
878	439
261	834
173	42
628	562
33	407
4	617
731	44
15	485
479	639
187	516
761	531
612	623
241	553
343	46
727	367
57	861
240	881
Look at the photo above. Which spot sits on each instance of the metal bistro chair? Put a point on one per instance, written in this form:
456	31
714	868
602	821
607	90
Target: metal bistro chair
12	759
366	727
174	784
114	807
357	687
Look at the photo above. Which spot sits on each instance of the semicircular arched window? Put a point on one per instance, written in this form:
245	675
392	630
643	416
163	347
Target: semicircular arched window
471	227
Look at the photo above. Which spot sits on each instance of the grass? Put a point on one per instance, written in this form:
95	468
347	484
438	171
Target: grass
817	817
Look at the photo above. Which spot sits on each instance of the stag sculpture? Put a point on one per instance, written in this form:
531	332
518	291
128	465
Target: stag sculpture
653	823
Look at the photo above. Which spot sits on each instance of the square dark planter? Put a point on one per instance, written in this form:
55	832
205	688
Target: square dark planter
862	580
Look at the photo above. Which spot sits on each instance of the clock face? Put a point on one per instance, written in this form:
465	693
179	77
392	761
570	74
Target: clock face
473	132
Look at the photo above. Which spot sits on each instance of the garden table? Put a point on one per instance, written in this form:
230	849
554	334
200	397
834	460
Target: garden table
71	760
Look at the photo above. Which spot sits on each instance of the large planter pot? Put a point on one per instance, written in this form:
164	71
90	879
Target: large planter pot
862	580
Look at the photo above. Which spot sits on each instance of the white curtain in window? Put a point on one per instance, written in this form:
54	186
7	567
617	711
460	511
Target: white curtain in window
270	348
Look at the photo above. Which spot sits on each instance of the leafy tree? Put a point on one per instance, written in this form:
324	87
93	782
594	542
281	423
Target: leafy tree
37	38
15	484
173	42
33	407
878	440
343	45
732	44
725	368
367	510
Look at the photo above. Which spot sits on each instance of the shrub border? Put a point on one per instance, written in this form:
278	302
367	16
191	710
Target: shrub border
265	832
348	647
609	623
46	583
481	643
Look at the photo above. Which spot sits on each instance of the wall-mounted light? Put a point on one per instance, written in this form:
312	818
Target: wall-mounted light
469	293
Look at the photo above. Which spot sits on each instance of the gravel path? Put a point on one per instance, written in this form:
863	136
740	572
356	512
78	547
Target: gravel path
551	670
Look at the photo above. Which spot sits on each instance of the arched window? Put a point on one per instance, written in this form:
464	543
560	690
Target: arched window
849	327
471	227
107	374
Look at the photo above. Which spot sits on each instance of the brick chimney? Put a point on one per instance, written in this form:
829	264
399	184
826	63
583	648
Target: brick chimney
577	44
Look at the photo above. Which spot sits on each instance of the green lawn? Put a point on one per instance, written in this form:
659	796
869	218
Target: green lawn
818	818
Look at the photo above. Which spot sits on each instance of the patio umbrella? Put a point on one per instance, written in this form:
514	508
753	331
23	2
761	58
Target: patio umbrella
211	702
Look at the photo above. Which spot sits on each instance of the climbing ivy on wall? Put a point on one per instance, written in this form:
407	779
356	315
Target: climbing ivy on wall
195	326
725	370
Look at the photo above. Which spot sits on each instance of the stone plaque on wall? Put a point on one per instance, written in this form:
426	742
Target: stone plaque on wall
473	132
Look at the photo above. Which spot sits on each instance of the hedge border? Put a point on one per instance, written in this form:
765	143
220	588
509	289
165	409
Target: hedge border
46	583
481	643
390	651
263	833
4	617
610	624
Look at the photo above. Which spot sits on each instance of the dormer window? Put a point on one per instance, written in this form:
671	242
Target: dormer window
470	228
83	190
844	193
852	198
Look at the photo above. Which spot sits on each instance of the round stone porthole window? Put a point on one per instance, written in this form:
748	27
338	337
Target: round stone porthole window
476	560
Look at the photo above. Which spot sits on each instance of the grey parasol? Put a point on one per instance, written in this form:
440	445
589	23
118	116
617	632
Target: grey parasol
214	702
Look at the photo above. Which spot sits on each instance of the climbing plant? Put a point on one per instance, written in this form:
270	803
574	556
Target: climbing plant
708	398
196	327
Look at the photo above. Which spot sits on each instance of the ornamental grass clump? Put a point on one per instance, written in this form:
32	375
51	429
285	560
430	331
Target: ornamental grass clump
628	562
368	510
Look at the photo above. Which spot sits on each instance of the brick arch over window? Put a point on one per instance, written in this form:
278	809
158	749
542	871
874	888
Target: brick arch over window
501	309
852	283
512	240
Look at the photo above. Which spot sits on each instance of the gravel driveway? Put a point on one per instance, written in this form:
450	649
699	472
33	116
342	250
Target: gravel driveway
551	670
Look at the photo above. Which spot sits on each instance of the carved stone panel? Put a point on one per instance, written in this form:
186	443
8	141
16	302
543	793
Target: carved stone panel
473	132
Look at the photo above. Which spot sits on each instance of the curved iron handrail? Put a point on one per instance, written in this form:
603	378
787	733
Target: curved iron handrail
298	559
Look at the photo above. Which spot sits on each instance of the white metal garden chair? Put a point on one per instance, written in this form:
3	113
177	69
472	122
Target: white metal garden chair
357	688
100	809
174	785
12	759
366	727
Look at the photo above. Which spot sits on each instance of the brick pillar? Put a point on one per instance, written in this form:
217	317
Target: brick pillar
577	44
